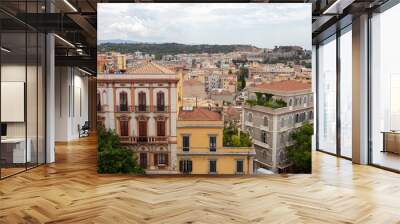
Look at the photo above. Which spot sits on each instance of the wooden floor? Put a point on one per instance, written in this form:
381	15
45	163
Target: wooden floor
70	191
387	159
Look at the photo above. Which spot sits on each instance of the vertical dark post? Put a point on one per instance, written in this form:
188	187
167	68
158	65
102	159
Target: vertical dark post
338	72
369	90
316	110
37	88
26	86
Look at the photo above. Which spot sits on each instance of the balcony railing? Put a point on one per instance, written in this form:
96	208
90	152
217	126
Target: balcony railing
142	108
160	109
138	109
144	139
123	108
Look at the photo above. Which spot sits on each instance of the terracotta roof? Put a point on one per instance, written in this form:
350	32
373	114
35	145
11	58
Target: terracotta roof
285	86
199	114
150	68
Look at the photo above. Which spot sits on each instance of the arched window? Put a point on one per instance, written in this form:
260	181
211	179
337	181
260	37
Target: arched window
124	127
283	141
264	136
290	102
266	121
98	102
142	101
160	101
282	122
123	101
250	117
305	99
160	128
296	118
295	102
310	115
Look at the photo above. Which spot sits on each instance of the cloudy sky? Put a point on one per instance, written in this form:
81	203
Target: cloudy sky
259	24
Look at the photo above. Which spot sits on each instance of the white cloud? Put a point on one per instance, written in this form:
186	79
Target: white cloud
264	25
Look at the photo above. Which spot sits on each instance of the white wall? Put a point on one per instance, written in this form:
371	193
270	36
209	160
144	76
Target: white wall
71	103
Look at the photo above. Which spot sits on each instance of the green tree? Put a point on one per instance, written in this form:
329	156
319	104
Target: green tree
235	140
243	73
158	56
245	140
107	139
242	76
299	154
231	137
111	156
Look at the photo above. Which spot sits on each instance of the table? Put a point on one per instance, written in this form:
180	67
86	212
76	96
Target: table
13	150
391	141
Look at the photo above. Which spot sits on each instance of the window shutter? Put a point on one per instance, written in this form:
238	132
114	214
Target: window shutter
155	159
166	159
181	165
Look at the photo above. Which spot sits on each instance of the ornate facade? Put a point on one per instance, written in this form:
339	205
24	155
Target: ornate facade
141	106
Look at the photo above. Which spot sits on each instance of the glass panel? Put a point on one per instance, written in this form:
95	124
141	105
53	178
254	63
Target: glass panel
23	82
186	143
13	80
346	94
385	84
213	166
327	96
213	143
41	99
31	98
239	166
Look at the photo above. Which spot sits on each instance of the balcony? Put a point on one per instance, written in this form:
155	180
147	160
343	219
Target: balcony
161	109
131	140
142	109
123	108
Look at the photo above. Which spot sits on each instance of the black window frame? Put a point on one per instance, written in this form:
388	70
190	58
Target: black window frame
212	147
237	166
186	148
212	166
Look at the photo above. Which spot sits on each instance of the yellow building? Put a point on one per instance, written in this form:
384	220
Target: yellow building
200	147
120	61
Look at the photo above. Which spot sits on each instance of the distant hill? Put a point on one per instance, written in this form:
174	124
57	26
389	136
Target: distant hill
116	41
170	48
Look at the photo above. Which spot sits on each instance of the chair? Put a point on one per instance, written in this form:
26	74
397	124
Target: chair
84	130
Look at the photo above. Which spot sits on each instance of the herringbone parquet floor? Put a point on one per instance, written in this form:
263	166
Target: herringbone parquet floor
70	191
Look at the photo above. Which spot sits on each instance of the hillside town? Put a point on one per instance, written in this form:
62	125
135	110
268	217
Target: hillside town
207	113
